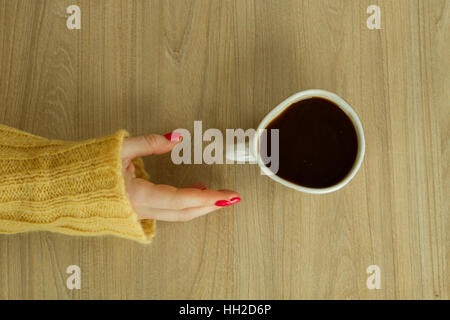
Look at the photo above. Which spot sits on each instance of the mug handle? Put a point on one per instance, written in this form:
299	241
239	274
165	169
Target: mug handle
240	152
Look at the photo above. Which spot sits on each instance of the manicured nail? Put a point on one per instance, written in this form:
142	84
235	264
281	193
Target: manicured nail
173	136
223	203
235	200
203	188
226	203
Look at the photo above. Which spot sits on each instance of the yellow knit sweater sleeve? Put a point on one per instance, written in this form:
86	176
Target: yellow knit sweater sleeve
75	188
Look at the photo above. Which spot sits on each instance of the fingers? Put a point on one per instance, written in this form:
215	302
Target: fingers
174	215
149	144
168	197
164	202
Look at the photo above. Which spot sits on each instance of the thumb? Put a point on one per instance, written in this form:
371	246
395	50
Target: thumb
149	144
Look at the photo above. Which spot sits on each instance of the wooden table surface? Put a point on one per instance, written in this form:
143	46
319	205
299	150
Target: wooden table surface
153	66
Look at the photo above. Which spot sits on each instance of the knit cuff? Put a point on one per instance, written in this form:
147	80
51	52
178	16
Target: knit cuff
75	188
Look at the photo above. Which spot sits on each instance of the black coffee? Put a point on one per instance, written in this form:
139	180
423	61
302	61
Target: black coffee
317	143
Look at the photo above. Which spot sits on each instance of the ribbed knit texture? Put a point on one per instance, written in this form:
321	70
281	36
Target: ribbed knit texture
75	188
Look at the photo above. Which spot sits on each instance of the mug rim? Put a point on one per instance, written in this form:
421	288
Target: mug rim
302	95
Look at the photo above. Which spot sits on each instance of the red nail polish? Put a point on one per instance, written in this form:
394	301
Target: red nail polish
226	203
203	188
223	203
173	136
235	200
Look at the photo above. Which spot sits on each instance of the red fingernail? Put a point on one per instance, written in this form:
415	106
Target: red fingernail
235	200
223	203
203	188
173	136
226	203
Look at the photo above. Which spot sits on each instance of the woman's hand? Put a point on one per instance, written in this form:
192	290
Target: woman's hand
163	202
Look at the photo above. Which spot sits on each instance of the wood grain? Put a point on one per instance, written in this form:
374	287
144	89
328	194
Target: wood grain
153	66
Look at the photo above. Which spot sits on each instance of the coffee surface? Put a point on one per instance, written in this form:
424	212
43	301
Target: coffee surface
317	143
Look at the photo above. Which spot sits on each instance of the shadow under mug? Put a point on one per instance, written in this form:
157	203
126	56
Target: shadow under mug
251	151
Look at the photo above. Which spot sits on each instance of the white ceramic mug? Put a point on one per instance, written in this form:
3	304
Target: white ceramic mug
252	152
